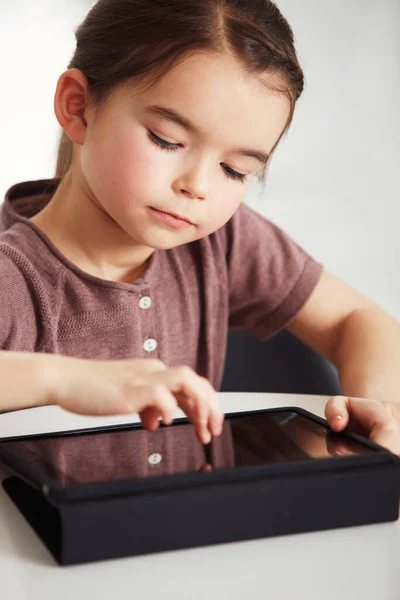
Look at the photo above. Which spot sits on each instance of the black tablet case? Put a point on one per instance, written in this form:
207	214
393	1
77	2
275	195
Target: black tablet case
238	504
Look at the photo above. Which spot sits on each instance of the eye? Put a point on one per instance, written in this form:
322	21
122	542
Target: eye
234	174
230	173
162	143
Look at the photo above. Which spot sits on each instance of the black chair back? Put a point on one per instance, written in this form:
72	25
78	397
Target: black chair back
282	364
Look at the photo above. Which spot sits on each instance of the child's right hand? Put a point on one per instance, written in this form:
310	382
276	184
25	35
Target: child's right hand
148	387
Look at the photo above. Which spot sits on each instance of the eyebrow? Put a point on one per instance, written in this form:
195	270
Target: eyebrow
172	115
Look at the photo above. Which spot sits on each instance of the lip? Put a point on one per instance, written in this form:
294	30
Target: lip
174	217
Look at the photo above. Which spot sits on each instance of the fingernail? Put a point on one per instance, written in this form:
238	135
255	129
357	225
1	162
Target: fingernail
207	437
216	429
340	417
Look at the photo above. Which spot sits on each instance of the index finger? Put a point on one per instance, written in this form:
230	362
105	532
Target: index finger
212	413
206	410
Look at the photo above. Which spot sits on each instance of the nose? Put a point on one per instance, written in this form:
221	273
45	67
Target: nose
195	195
193	183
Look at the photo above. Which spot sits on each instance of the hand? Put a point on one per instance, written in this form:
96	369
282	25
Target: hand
376	420
148	387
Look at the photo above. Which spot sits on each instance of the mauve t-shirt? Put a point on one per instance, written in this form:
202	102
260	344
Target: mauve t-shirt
249	276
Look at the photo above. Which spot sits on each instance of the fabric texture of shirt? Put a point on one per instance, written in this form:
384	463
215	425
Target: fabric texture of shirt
249	276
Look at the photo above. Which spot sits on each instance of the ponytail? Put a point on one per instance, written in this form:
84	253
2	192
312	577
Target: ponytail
64	158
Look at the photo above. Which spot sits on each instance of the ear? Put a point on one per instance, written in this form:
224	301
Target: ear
70	102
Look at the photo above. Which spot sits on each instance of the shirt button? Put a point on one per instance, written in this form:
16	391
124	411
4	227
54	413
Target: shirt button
145	302
155	459
150	345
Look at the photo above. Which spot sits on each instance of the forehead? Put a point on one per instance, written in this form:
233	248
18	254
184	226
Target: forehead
225	103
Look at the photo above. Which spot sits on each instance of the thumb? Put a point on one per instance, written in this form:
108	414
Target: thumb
337	413
370	416
360	414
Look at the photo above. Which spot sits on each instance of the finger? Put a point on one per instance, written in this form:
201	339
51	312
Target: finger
151	365
216	414
337	412
157	396
369	417
387	435
211	415
206	411
149	418
206	468
370	414
216	418
145	365
190	408
185	381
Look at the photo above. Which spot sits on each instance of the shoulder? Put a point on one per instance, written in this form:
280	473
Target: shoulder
27	257
270	275
247	225
20	251
249	234
12	263
249	242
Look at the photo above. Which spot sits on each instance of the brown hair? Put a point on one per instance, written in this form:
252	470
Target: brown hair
139	40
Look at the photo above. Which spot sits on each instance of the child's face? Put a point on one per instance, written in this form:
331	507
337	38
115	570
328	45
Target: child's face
128	173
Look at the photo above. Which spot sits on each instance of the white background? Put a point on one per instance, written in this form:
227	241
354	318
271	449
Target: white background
334	182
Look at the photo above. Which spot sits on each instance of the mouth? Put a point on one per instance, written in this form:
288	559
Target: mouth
171	218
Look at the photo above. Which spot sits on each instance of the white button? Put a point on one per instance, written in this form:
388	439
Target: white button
145	302
150	345
155	459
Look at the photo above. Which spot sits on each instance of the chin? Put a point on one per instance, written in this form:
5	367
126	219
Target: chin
164	242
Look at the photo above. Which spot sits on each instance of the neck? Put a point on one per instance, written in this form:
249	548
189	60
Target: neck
88	236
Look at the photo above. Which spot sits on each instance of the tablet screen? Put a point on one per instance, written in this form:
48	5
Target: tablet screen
75	459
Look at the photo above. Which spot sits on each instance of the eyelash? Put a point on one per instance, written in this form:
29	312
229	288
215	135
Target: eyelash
230	173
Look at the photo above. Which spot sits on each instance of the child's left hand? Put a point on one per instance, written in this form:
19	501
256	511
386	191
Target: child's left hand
379	421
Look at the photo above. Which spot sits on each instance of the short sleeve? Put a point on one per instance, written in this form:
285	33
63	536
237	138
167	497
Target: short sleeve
270	276
17	317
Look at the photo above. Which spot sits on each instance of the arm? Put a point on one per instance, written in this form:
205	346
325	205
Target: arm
26	379
368	355
110	387
357	336
363	342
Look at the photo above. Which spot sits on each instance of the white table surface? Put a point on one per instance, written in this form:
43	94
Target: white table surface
352	563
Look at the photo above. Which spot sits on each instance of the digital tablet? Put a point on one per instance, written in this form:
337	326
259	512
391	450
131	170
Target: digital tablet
120	491
76	463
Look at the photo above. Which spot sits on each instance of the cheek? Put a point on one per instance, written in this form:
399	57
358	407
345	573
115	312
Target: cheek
119	164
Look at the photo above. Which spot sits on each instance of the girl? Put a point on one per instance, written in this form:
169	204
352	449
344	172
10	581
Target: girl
121	276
